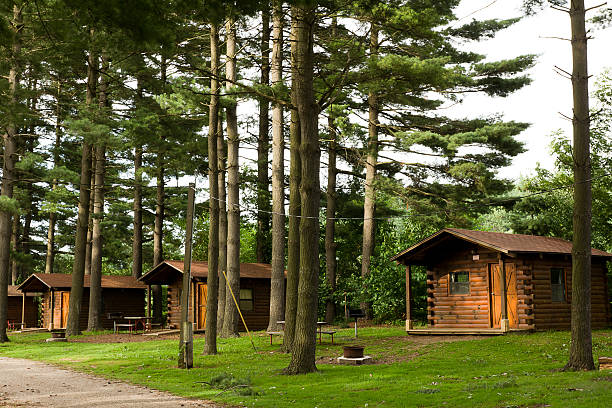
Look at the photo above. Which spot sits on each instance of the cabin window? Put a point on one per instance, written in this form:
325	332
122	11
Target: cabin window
459	283
557	284
246	300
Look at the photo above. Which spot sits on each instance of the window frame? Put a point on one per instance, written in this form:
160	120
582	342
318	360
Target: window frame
250	301
451	285
561	284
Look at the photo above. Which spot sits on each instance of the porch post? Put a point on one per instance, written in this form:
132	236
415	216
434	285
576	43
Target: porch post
408	299
52	307
23	298
149	300
504	323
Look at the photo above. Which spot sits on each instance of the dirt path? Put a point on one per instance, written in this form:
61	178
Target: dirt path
25	383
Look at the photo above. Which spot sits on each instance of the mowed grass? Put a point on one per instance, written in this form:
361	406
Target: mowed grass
514	370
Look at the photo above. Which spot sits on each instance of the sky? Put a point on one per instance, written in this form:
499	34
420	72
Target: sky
541	102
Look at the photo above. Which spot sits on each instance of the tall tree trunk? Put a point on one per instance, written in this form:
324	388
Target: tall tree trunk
210	337
232	318
304	342
78	267
370	194
92	186
293	239
50	258
8	172
263	146
158	233
581	347
222	227
137	238
14	247
330	222
277	281
94	322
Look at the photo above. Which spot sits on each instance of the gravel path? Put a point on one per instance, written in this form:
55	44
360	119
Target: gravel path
25	383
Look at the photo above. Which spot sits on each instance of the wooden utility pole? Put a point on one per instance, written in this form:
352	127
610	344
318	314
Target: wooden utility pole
185	359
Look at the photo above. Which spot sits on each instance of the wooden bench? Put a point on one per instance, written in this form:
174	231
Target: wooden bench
328	332
274	333
130	326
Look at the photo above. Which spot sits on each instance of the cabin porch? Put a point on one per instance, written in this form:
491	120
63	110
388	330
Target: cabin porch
433	331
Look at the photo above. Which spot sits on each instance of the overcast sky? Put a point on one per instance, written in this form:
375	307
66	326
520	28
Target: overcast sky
549	93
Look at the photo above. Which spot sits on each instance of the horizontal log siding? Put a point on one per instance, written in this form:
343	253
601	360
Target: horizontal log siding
130	302
15	304
524	291
460	311
557	315
257	319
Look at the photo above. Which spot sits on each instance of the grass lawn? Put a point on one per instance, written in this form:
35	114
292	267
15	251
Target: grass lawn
513	370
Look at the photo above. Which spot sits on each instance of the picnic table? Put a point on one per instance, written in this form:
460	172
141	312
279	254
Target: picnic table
143	321
320	331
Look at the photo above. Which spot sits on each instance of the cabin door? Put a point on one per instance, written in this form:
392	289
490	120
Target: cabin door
64	306
496	295
202	291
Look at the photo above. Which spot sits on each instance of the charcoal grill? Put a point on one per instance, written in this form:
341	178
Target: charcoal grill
356	314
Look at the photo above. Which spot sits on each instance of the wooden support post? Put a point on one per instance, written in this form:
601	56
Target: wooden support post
148	300
408	299
504	323
185	359
23	298
52	307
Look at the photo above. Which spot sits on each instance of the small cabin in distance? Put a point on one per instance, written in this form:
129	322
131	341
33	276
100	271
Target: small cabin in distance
489	282
254	296
120	294
21	304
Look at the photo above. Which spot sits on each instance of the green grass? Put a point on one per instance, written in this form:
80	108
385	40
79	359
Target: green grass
513	370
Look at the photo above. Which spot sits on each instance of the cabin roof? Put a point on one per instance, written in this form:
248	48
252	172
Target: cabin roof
45	281
12	291
498	241
168	271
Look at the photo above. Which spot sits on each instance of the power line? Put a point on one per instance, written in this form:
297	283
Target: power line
414	215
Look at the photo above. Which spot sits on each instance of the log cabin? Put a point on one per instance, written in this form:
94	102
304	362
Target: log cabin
22	305
120	295
254	296
465	272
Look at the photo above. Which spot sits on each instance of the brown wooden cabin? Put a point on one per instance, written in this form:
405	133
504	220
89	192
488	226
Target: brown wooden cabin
464	271
120	294
19	302
254	296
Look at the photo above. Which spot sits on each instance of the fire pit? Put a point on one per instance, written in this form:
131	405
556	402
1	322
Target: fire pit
353	351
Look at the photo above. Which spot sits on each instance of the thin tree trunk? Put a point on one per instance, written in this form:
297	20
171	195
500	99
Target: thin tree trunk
232	318
581	347
370	194
186	284
158	233
222	227
330	223
277	281
210	337
304	342
78	267
293	239
263	146
137	239
14	247
92	186
8	172
50	258
94	322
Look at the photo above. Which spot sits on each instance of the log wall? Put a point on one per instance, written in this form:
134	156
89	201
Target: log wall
557	315
257	319
15	304
446	310
130	302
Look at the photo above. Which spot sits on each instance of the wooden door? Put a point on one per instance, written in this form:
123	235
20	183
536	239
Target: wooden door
202	292
64	306
511	295
496	295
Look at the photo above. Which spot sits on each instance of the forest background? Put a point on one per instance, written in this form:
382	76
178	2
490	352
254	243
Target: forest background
148	117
